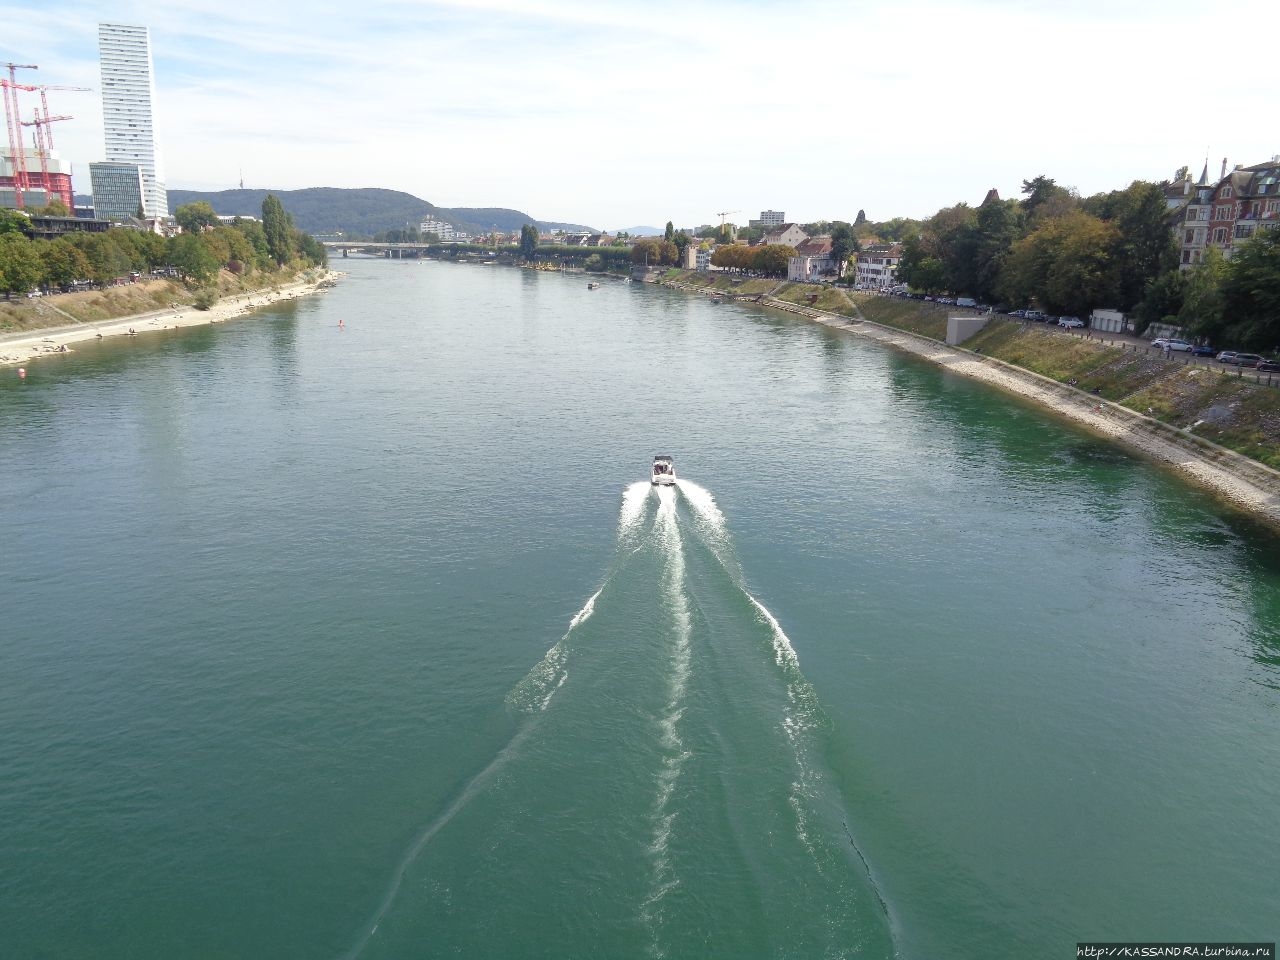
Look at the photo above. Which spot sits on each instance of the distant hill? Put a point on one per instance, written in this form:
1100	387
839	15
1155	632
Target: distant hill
360	212
508	221
643	231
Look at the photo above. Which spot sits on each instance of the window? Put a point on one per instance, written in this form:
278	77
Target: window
1226	192
1191	237
1220	235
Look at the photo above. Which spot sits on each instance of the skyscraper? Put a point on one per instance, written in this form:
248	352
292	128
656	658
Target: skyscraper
128	83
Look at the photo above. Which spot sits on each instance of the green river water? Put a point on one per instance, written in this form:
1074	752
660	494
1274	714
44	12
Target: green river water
374	641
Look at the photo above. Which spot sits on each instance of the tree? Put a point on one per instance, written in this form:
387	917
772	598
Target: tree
1145	248
1065	263
54	208
681	241
771	259
192	258
195	217
275	224
64	263
1251	292
1045	199
1202	301
13	222
860	219
670	232
1163	298
843	243
529	242
20	266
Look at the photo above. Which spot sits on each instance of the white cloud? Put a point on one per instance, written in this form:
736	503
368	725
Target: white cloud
615	113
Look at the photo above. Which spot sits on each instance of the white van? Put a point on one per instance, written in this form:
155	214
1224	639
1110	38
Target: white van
966	302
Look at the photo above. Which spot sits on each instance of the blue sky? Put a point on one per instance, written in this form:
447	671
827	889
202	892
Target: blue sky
617	114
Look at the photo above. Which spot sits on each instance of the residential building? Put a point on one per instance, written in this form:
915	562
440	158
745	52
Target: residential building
787	233
118	190
697	256
769	219
813	261
34	193
128	88
1244	201
447	232
877	265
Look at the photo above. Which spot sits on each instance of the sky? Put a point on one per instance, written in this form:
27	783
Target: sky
617	114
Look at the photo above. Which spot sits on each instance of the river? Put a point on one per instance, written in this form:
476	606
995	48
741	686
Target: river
372	640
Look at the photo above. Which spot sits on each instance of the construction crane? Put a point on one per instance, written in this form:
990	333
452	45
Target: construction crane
12	125
44	145
722	214
43	133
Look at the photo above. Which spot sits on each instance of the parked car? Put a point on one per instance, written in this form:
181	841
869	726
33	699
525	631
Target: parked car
966	302
1227	356
1022	314
1070	323
1269	365
1170	343
1203	350
1248	359
1035	315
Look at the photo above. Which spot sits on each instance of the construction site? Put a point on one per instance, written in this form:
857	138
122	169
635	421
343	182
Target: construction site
32	175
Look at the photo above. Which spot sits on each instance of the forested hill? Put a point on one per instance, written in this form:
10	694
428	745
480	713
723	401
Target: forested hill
360	212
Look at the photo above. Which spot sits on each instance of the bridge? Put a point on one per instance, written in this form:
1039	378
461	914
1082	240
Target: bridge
398	251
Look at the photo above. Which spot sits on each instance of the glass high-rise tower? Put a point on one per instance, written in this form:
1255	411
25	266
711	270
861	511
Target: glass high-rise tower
128	86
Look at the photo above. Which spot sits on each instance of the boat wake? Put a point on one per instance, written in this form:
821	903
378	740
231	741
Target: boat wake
693	741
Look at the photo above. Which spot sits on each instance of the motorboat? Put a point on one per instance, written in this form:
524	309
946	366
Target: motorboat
664	470
593	286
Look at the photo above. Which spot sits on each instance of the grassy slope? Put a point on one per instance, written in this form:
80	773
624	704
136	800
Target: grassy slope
92	306
1215	403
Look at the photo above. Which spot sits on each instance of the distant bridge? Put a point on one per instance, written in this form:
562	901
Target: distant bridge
396	251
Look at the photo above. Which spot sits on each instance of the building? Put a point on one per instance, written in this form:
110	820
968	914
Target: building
697	256
118	190
813	261
769	219
1225	212
445	231
878	264
786	233
128	88
34	192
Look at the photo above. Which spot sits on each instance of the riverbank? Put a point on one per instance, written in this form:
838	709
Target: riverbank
1246	483
26	346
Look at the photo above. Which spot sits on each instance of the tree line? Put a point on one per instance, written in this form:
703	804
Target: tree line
205	246
1070	255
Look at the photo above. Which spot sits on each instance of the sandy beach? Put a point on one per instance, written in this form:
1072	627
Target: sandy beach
30	345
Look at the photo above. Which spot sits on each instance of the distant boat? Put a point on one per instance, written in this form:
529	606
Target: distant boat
664	470
593	286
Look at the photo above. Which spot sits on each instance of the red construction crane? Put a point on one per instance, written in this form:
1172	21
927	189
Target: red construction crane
12	125
44	102
44	131
43	145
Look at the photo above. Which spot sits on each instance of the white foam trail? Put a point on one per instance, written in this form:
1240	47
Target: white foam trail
674	753
712	526
473	787
783	652
534	692
633	501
